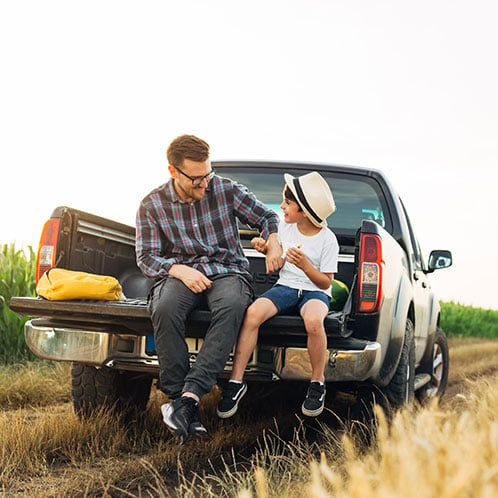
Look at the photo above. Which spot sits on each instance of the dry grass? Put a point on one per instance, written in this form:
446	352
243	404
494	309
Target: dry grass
471	356
429	453
34	384
448	450
30	440
49	451
421	453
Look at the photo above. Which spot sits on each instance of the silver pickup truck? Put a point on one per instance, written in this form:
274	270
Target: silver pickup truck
385	336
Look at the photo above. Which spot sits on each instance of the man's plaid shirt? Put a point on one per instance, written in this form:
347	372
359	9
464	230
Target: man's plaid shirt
201	234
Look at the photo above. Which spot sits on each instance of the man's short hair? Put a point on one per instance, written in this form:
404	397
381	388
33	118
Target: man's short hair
187	147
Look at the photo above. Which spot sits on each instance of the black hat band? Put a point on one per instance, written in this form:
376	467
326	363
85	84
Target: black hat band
303	201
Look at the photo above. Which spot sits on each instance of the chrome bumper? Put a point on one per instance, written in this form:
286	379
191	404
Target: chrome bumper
128	352
92	347
342	365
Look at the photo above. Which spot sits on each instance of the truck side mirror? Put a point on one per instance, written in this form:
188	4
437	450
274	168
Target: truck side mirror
439	259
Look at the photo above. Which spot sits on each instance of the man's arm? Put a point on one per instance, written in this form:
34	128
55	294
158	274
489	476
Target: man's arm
274	252
148	246
255	214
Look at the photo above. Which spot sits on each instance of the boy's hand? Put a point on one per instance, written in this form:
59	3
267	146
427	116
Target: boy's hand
297	257
259	244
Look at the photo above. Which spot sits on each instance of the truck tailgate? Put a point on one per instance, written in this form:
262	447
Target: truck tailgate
133	315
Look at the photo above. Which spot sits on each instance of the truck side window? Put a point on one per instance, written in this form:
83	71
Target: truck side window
417	254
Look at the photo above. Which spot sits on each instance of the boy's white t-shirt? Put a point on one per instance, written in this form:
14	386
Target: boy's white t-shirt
322	249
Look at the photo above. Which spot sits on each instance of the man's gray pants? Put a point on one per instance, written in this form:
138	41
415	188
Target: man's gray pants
171	302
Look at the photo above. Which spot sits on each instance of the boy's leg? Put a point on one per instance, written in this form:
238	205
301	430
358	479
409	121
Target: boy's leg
258	312
313	313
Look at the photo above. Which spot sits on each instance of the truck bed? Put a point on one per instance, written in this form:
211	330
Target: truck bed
132	316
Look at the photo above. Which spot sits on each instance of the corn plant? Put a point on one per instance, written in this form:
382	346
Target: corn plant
459	320
17	278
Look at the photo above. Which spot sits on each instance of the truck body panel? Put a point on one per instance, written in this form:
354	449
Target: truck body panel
362	346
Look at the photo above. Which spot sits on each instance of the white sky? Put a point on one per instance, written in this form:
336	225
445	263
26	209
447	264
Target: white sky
92	92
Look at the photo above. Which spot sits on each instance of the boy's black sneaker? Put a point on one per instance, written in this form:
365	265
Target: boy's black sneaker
315	400
230	397
180	415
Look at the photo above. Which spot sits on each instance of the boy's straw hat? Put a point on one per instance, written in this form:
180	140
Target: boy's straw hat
313	194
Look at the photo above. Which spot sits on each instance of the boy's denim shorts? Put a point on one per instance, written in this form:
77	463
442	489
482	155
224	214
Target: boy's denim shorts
290	301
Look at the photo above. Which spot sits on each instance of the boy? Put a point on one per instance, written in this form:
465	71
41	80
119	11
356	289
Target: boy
310	261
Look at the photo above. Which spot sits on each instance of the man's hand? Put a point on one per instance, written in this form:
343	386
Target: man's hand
274	259
195	280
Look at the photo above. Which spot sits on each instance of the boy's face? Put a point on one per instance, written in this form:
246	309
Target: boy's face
291	211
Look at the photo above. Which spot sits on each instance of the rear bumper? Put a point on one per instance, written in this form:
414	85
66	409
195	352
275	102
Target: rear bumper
347	359
342	365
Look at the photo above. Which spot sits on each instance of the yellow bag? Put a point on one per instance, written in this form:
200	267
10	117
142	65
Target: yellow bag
60	284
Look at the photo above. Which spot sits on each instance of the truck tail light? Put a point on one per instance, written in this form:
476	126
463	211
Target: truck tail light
370	274
48	247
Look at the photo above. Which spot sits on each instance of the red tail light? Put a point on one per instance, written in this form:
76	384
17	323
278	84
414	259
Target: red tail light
47	248
370	274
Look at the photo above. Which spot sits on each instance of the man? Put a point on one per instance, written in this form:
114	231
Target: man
187	240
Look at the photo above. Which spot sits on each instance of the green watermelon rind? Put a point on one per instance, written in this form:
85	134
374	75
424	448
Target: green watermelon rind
340	292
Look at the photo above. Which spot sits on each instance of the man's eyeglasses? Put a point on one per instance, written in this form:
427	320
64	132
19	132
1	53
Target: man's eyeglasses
197	180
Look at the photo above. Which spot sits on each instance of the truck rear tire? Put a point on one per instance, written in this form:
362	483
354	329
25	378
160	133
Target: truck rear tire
438	369
94	389
401	390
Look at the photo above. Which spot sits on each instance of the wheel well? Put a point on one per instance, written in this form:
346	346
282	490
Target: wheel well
411	313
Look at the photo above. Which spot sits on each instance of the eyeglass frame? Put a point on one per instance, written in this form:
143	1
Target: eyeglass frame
197	180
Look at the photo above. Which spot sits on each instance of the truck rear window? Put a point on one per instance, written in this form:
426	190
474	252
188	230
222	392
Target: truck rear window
357	197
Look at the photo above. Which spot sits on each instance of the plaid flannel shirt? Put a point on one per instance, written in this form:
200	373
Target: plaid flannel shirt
202	234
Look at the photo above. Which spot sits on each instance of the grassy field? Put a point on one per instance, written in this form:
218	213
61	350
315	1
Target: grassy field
446	450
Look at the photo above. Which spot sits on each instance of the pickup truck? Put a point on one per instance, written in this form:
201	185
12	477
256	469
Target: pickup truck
386	336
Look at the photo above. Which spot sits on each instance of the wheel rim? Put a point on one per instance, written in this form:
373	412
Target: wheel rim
437	371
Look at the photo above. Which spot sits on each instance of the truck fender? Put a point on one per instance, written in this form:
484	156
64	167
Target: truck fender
403	302
435	311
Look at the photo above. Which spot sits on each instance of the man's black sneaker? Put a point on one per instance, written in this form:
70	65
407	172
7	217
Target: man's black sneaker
196	429
230	397
315	400
179	415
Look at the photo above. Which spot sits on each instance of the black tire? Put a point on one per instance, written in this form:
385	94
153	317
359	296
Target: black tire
401	390
437	368
95	389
